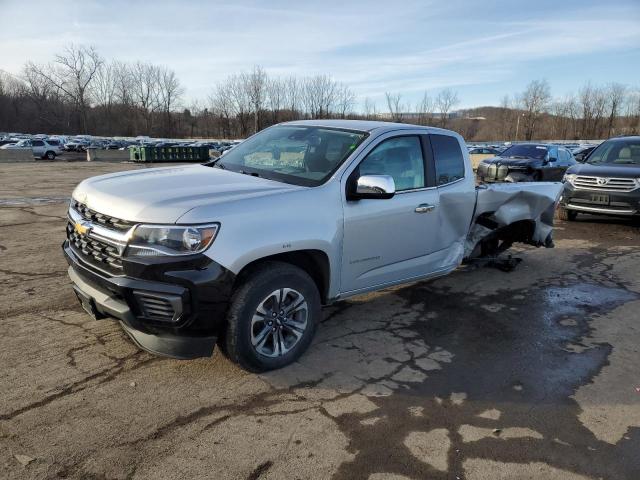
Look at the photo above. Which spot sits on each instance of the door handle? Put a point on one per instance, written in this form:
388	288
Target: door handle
424	208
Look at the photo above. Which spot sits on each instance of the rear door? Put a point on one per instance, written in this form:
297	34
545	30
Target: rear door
457	198
38	147
389	241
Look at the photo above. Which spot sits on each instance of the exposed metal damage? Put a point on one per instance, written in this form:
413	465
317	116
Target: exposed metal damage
506	214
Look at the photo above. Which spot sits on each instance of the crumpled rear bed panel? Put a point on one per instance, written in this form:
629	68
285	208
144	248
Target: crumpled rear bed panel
508	203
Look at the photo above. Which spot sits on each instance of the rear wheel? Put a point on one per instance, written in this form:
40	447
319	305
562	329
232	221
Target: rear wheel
272	318
567	215
50	155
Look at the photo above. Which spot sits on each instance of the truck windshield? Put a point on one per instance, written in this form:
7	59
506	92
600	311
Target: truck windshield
538	152
617	152
301	155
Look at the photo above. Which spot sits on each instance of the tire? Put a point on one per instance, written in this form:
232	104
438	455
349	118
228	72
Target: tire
245	341
50	155
567	215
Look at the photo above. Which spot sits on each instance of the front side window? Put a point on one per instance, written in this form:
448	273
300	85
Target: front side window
618	152
448	159
302	155
400	158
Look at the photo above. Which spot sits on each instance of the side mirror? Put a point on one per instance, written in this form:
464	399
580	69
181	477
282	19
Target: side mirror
579	157
374	186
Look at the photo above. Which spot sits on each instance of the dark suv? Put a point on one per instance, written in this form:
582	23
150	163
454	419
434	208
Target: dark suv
527	162
607	183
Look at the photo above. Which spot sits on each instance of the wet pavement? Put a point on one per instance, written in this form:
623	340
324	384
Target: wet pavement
479	375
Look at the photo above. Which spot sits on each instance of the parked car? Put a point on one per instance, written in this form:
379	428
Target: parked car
114	145
581	153
608	182
41	148
527	162
76	145
477	154
249	246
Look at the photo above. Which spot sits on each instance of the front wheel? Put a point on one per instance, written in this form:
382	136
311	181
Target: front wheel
567	215
272	318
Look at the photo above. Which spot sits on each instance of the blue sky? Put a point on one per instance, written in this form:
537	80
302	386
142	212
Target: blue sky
482	49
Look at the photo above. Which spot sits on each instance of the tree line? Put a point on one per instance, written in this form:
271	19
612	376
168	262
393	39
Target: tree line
81	92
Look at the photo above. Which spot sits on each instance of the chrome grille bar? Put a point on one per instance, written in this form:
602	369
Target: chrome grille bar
611	184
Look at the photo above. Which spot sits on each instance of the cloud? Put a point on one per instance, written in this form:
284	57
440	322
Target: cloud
374	46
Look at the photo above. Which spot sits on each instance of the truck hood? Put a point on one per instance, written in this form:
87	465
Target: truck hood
163	195
606	170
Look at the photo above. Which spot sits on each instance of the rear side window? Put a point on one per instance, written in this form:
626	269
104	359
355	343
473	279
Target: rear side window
38	143
448	159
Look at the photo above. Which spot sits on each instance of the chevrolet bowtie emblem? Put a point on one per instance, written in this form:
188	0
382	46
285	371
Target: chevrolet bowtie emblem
81	227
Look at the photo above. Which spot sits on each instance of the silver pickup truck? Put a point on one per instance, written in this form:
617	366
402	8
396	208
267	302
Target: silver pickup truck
244	251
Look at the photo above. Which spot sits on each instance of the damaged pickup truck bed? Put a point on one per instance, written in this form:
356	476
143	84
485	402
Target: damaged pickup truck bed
244	250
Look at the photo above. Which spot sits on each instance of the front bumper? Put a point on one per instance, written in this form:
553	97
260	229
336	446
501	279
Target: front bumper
168	306
491	173
590	201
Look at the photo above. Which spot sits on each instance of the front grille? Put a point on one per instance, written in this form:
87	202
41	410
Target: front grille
605	184
106	220
95	251
163	308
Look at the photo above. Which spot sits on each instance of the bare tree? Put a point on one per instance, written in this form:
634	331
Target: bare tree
276	97
240	101
319	95
535	100
616	95
72	72
169	93
345	99
292	96
221	101
145	81
445	101
564	115
425	110
255	84
394	105
370	111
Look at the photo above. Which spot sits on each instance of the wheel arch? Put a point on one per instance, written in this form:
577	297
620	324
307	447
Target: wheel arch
314	262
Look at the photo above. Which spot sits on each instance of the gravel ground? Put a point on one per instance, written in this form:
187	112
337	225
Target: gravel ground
479	375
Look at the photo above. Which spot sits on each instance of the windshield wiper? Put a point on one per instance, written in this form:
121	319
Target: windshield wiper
252	174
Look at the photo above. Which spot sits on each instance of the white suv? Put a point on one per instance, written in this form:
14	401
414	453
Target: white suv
41	148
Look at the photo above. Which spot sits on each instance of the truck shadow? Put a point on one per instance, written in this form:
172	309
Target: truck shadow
492	375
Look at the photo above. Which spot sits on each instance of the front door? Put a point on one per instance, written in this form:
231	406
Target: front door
387	241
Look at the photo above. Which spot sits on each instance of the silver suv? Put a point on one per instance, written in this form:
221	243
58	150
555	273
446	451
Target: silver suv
245	250
41	148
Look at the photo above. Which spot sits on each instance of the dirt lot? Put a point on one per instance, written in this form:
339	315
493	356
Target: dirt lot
480	375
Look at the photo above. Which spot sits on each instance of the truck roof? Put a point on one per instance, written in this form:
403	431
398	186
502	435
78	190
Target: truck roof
363	125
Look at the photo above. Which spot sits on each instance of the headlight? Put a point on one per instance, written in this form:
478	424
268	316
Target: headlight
569	177
156	240
637	181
